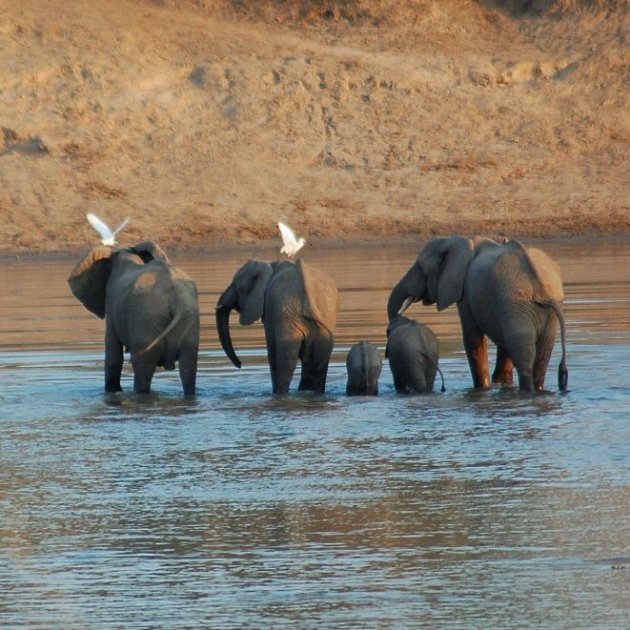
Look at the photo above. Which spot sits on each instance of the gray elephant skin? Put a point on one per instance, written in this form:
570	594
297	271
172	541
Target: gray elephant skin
413	353
298	305
363	364
150	307
504	291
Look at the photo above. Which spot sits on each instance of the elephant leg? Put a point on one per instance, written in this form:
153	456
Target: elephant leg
113	362
504	369
282	353
544	348
523	355
418	384
476	346
422	377
144	365
399	384
315	356
187	363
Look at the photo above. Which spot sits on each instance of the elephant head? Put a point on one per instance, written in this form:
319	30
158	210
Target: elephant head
246	295
437	276
89	278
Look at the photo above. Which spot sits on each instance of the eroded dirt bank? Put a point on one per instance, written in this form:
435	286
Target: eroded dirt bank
208	121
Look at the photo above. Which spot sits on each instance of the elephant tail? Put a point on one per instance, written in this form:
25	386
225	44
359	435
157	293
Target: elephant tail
429	359
443	389
563	372
176	319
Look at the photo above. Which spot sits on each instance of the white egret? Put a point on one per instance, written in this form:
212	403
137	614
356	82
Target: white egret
107	236
291	244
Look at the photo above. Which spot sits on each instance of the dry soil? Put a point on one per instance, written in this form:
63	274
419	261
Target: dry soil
208	121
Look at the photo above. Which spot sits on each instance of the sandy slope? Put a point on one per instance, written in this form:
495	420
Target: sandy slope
208	121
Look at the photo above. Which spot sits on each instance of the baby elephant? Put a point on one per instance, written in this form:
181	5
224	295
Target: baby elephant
364	365
413	352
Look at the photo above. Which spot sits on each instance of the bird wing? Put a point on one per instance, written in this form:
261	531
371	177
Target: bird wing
101	227
288	237
121	226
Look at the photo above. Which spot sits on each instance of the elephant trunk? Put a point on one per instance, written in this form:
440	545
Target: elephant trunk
400	298
226	303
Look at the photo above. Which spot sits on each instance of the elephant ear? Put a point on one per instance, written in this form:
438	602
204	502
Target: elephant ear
321	303
251	283
148	251
456	253
88	279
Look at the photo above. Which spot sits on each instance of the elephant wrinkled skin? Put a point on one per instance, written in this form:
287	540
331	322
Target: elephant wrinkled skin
150	308
503	291
298	305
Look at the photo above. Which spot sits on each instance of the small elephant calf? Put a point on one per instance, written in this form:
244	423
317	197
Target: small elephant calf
413	352
364	365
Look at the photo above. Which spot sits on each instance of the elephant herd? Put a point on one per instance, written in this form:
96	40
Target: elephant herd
504	292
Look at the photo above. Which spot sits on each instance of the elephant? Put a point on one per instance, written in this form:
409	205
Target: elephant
363	364
298	305
412	351
150	308
504	291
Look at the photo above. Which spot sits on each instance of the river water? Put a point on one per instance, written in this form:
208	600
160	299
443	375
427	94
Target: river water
238	509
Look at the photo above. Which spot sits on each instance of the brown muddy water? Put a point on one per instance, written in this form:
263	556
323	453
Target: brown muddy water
238	509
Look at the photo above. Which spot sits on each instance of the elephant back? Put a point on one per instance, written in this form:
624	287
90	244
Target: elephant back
545	277
548	273
321	302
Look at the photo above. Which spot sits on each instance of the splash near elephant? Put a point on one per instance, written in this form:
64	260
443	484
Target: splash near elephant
150	308
298	305
503	291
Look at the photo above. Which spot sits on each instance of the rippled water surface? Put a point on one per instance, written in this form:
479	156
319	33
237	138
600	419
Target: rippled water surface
238	509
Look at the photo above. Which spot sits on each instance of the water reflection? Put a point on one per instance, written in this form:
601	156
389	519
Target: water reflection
239	509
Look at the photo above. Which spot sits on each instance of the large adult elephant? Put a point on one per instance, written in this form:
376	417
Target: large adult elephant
150	308
503	291
298	305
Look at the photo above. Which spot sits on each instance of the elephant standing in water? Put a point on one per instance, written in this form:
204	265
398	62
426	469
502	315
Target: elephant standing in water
502	290
413	353
150	308
298	305
363	364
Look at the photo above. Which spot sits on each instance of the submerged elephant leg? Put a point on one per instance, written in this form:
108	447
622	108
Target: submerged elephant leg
399	384
544	348
315	356
504	369
113	362
418	382
282	353
476	346
144	364
187	363
523	357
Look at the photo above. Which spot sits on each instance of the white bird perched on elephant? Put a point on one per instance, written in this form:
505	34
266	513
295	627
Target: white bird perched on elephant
108	237
291	245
